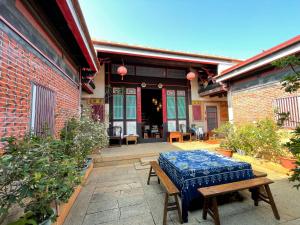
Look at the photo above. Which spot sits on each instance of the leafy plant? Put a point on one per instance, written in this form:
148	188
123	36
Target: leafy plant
41	172
259	139
82	136
228	132
26	219
291	83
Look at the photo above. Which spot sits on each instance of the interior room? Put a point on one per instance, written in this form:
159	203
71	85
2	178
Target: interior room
151	113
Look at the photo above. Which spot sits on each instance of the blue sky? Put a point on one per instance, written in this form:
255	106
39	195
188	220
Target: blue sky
233	28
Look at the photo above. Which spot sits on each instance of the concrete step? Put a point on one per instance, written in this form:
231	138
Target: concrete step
146	160
139	166
102	160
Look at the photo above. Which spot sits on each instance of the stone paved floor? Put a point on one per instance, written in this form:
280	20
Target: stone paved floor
119	196
150	148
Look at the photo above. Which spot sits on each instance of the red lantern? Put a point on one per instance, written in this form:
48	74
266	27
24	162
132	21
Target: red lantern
191	76
122	71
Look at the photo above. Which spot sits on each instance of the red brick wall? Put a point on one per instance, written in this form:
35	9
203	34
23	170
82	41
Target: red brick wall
256	103
18	68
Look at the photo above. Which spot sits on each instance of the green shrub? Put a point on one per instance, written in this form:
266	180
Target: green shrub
227	131
82	136
259	139
294	146
36	169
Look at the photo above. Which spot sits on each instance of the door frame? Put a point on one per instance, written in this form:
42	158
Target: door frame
205	114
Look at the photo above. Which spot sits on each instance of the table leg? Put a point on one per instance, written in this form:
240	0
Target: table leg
184	209
255	195
205	206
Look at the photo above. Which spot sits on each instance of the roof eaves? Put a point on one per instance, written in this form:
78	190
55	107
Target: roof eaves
262	55
74	17
117	44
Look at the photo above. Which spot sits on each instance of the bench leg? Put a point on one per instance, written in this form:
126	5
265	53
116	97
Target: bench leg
205	206
166	209
150	172
215	211
272	203
178	208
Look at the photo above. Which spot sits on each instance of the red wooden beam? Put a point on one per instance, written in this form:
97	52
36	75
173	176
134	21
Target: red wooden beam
63	5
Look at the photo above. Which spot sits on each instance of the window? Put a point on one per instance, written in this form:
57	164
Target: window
42	110
131	107
118	106
288	105
171	106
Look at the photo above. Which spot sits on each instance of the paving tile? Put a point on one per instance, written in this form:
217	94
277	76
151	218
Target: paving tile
133	191
119	195
102	217
132	200
134	210
108	196
145	219
292	222
102	206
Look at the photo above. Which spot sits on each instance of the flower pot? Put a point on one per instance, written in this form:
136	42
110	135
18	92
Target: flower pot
49	220
225	152
46	222
288	163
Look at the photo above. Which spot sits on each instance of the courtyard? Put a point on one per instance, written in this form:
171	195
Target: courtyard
97	97
119	194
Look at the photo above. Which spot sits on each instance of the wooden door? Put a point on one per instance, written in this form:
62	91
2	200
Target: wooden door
212	117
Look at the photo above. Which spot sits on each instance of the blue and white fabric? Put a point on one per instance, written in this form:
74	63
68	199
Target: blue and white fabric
190	170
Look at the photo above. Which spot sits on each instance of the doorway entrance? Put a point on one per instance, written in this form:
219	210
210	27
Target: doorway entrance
212	117
152	116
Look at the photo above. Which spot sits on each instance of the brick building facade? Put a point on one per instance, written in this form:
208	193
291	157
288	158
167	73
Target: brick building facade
33	54
255	90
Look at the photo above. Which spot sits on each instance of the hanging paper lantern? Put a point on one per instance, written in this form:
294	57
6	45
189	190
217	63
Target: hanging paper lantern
191	76
122	71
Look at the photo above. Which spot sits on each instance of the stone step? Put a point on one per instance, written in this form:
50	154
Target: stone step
139	166
100	160
146	160
98	163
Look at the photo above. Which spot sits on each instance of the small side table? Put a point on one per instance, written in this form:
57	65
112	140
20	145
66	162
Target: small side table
131	138
175	134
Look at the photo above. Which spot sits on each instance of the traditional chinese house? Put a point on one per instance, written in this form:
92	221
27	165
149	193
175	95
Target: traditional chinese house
152	91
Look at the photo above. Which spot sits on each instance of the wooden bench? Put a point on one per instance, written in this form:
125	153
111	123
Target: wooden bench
210	194
259	174
171	190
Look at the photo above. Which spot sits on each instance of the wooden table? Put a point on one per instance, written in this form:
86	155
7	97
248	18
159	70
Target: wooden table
131	138
175	134
192	171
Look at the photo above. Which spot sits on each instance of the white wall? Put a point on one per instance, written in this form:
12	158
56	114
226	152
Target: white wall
204	101
224	66
99	81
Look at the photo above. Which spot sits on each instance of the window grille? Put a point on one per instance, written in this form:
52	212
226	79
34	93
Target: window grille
42	110
290	106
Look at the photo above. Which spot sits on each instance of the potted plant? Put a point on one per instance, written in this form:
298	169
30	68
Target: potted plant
227	132
45	175
288	157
